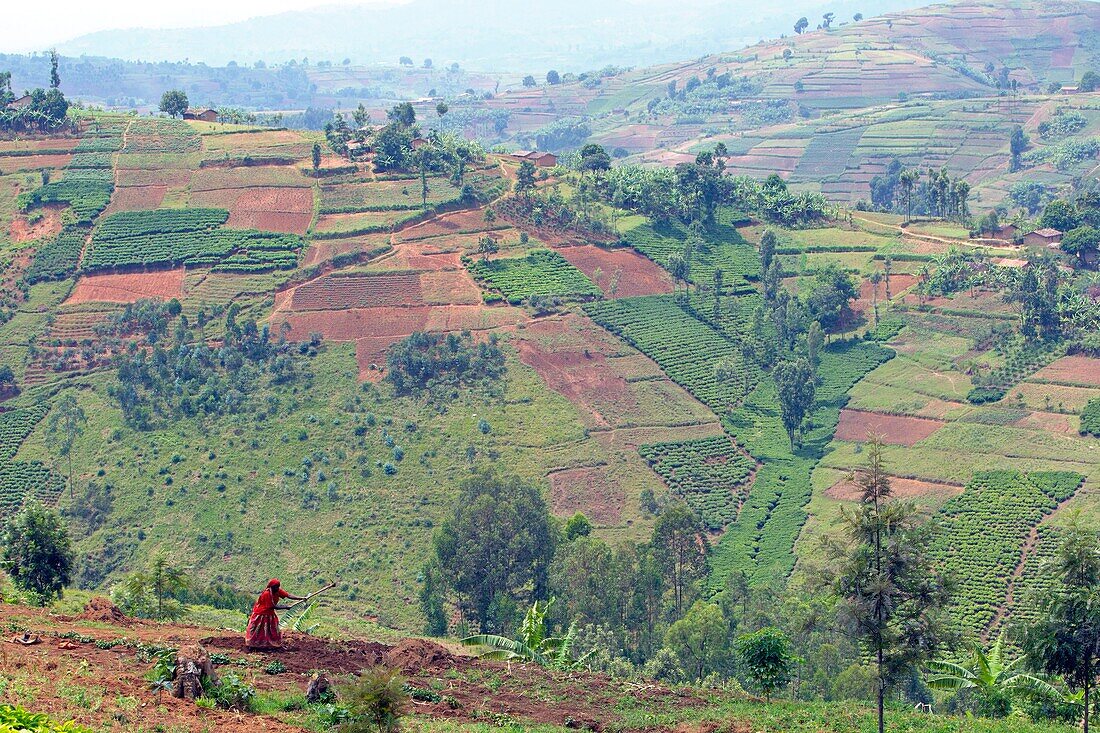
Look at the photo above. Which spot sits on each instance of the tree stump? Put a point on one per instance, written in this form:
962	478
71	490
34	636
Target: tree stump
319	688
192	667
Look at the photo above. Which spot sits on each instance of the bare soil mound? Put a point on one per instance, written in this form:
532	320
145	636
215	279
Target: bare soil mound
101	609
417	656
301	653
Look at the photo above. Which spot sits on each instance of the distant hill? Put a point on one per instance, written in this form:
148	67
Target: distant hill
487	35
941	85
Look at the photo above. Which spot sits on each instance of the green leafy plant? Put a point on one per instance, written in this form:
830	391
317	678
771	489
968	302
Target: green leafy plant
17	720
231	693
992	676
375	702
533	645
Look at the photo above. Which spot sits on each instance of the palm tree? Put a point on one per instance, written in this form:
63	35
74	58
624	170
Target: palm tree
990	675
533	645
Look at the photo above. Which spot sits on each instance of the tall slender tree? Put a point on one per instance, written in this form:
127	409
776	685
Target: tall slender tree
890	591
65	425
1066	639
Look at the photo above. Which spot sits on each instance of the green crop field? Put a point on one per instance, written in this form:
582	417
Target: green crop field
539	272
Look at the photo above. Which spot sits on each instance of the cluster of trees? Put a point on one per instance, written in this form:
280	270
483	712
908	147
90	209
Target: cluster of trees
867	623
184	375
439	364
174	103
46	109
693	192
1079	220
903	190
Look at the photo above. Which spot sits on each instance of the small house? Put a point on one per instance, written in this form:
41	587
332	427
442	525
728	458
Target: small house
21	103
205	114
1069	90
540	160
1008	232
419	142
1043	237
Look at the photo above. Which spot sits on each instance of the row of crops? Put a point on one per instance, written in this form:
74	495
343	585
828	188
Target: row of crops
722	248
761	542
187	237
711	475
58	258
15	426
1034	584
539	272
981	533
21	481
1019	362
687	349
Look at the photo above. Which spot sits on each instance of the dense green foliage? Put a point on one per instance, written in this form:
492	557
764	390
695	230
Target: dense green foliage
37	553
441	363
58	258
1090	418
17	720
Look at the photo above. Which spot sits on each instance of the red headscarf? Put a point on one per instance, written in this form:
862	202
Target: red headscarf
273	583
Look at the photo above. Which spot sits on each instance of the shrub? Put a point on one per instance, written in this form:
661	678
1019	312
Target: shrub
232	693
1090	418
14	718
375	702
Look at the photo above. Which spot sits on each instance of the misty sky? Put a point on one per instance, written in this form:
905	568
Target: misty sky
37	26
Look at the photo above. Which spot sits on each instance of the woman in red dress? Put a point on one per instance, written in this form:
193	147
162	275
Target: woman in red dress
263	625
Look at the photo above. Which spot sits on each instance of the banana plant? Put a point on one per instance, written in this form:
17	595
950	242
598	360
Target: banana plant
989	673
533	645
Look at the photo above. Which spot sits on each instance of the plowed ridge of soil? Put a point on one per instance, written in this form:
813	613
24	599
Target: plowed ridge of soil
858	426
630	273
1081	370
136	198
902	488
338	292
129	287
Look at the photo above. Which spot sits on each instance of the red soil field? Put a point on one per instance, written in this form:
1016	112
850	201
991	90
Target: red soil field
638	275
337	292
397	322
858	426
1072	370
10	163
272	209
48	226
470	220
903	488
128	287
449	287
136	198
588	490
1052	422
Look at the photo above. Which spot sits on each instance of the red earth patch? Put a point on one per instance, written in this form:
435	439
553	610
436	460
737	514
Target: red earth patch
902	488
859	426
48	226
1081	370
623	270
588	490
338	292
128	287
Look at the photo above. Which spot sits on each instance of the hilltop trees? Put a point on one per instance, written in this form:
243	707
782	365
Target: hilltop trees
801	24
37	553
496	548
46	110
173	102
552	77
